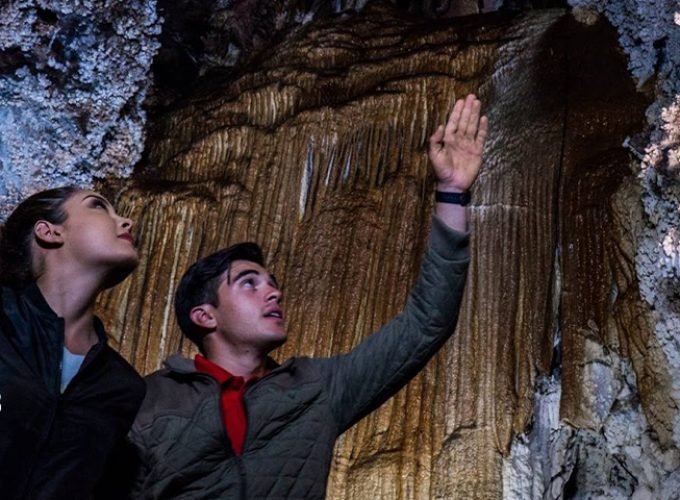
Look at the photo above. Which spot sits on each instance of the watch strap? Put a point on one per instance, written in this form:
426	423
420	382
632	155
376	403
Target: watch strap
455	198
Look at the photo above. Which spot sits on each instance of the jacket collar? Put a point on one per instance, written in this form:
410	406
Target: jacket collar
35	297
180	364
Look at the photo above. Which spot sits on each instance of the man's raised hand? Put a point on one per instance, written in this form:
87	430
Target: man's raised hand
456	149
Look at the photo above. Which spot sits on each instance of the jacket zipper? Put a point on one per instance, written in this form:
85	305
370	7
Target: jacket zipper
29	490
239	460
242	474
227	441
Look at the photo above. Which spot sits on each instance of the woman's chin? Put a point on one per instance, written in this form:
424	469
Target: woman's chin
121	272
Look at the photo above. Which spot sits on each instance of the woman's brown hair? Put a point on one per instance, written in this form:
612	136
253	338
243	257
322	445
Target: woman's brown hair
16	262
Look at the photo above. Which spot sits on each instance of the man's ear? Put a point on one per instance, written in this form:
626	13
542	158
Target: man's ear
48	234
203	316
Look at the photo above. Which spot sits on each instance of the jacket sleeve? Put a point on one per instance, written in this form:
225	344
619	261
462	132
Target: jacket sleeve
361	380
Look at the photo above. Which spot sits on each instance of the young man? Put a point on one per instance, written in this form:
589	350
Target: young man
234	424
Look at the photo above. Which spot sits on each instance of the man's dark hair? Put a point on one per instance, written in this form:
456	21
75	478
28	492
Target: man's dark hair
200	283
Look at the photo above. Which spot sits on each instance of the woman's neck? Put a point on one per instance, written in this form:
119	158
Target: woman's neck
72	298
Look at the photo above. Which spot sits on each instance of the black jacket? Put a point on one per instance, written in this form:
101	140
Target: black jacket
56	446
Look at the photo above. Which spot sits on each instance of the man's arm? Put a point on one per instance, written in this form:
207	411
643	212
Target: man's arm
380	365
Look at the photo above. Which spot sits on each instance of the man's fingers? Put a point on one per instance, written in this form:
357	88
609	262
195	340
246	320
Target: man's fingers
481	133
466	113
473	122
452	123
436	138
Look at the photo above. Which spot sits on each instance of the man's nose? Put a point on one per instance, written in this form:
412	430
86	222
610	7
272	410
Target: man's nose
274	294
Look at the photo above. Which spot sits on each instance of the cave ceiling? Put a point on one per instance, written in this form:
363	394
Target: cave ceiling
211	36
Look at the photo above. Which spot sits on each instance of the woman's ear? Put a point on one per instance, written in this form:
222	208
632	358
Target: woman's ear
47	234
203	316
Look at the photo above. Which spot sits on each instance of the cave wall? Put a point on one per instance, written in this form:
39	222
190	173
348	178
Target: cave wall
561	378
73	79
318	152
624	443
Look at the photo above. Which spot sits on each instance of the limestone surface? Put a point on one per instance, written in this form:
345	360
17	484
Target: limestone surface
73	78
629	448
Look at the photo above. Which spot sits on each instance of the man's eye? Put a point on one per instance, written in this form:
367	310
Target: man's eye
249	283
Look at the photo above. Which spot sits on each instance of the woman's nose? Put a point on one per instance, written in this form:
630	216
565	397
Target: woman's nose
126	222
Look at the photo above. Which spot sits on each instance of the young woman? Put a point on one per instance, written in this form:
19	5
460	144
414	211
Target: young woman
67	399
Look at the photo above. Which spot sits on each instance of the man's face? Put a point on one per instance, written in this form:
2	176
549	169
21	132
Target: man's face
249	313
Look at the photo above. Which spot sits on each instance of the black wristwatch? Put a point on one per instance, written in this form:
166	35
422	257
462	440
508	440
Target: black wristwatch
455	198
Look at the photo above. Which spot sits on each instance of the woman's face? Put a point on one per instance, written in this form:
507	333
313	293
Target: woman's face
95	235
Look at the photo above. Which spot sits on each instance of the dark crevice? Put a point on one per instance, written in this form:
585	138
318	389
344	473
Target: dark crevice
47	16
570	490
12	59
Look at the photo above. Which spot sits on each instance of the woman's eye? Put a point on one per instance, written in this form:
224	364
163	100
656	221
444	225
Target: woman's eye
98	204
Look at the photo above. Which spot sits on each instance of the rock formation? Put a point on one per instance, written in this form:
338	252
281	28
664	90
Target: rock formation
73	78
318	152
560	379
627	445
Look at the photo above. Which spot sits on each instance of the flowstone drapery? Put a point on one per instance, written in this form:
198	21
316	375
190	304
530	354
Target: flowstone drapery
561	378
318	153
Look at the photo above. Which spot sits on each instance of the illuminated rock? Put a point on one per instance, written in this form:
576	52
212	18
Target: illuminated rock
318	153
